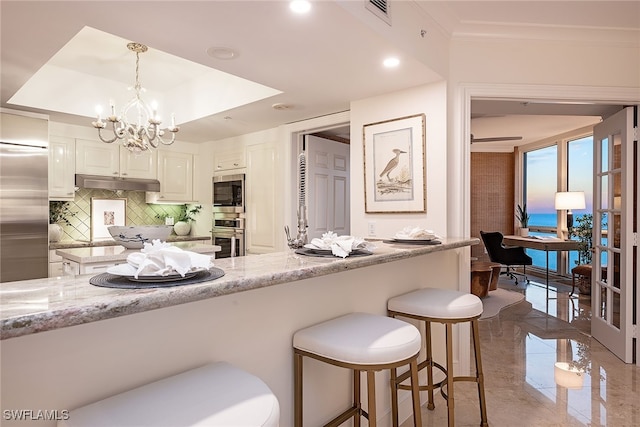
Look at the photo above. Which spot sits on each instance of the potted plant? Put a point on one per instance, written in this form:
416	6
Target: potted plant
523	218
182	227
583	230
59	214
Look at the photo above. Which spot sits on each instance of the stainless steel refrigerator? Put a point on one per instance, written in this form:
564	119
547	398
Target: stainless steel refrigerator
24	208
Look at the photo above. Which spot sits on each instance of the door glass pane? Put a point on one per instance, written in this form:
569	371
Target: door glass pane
605	232
604	190
614	230
604	153
617	151
616	270
615	315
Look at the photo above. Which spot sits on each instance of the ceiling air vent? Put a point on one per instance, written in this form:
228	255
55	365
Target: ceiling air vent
380	8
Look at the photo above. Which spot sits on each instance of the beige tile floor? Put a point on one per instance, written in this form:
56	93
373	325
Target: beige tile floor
520	347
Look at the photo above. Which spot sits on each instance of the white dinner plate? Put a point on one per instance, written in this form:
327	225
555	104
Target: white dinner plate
129	271
395	239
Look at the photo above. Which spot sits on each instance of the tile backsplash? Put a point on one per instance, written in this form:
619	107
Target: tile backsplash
138	212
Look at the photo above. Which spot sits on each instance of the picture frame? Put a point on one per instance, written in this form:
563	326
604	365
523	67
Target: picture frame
395	179
105	213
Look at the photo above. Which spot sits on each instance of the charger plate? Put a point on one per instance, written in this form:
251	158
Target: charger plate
108	280
326	253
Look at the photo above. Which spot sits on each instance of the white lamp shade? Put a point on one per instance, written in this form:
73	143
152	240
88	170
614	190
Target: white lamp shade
570	200
568	376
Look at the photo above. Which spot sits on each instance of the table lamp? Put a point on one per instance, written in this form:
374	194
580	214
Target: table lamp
567	200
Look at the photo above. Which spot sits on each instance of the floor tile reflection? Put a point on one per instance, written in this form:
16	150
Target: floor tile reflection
542	368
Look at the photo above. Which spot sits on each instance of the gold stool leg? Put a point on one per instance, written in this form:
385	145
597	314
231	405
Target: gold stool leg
429	348
297	393
415	393
371	391
394	396
357	398
450	399
479	374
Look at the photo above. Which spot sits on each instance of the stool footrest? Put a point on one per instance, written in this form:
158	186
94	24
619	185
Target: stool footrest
349	413
423	387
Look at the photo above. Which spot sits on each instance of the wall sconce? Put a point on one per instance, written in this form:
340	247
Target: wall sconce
567	200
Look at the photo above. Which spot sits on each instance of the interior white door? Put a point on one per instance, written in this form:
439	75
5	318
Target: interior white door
615	257
327	187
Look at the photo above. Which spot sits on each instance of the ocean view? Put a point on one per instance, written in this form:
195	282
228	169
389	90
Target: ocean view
539	257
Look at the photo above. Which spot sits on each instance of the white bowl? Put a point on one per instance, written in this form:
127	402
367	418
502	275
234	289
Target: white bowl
134	237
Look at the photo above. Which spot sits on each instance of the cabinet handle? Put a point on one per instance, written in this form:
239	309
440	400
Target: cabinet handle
235	164
69	194
115	173
124	174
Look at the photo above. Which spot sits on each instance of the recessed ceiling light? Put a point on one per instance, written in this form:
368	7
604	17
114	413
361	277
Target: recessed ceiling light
300	6
391	62
221	52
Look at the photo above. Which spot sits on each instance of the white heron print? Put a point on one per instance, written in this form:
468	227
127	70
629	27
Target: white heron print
392	159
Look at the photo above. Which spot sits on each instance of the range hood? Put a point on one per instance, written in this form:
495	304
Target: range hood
116	183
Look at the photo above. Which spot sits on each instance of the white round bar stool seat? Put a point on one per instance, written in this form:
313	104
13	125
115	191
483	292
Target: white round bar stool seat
447	307
361	342
216	394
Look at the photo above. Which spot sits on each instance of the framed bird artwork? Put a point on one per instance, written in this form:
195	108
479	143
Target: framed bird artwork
394	165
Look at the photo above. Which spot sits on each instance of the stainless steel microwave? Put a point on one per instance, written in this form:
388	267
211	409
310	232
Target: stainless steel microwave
228	193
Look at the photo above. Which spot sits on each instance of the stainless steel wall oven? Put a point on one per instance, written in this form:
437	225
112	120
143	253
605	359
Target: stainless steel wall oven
228	215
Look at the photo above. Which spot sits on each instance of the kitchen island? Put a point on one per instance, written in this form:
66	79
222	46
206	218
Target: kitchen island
66	343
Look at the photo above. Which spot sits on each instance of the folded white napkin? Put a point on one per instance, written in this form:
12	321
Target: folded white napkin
162	259
416	233
339	245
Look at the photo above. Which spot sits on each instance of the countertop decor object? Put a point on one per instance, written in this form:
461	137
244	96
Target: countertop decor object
134	236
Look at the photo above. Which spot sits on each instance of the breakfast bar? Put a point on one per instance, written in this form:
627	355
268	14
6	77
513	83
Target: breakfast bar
66	343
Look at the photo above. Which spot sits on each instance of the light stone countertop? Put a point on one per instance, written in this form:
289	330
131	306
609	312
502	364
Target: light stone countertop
66	244
95	254
31	306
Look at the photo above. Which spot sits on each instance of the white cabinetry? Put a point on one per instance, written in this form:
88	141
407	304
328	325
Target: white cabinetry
56	265
228	160
62	168
264	224
175	172
99	158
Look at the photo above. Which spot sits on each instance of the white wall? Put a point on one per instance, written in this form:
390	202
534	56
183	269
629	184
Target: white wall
430	100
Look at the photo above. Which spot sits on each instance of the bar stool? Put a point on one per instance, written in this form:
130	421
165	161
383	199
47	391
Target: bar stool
447	307
217	394
361	342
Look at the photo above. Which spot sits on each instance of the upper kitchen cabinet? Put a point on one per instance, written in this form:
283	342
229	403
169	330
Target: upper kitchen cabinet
175	173
99	158
228	160
62	168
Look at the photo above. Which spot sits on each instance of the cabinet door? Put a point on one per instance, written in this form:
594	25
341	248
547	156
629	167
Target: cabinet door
264	226
228	160
138	165
97	158
175	172
62	168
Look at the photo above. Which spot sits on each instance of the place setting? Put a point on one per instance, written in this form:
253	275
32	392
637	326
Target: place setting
156	265
415	236
331	245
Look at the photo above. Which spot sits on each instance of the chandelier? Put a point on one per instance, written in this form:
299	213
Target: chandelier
138	125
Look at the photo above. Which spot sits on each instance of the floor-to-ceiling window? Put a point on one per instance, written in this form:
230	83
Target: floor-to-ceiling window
540	182
564	165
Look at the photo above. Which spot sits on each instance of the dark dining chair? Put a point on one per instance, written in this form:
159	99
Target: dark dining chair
508	256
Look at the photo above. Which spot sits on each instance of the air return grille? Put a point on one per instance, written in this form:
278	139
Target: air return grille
380	8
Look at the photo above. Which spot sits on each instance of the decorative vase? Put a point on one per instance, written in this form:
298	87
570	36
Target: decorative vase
55	232
524	232
182	228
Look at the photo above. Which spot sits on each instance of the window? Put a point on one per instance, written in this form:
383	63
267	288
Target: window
570	160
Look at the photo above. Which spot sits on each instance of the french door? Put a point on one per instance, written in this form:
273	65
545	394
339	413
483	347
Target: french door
615	298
